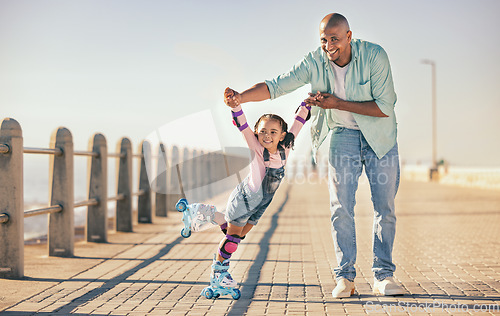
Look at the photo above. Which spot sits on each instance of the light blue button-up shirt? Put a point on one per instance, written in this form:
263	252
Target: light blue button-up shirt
368	78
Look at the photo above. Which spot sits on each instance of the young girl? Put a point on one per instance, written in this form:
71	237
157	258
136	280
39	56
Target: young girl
271	143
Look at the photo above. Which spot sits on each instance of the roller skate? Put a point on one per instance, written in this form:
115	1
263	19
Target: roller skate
221	282
196	217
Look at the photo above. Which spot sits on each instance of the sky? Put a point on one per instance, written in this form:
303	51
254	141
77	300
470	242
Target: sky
134	68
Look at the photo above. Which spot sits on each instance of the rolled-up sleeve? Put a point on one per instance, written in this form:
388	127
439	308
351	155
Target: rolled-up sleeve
381	80
297	77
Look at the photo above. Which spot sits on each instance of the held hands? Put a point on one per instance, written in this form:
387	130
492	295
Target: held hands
232	98
323	100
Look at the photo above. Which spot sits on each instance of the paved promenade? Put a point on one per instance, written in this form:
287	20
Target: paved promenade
447	254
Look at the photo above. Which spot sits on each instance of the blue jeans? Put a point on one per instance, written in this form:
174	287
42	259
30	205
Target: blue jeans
349	151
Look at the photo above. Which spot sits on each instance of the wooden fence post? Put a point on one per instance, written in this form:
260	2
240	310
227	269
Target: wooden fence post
193	164
11	200
174	190
61	233
97	216
144	212
202	181
186	172
204	176
161	183
220	171
208	175
123	216
211	175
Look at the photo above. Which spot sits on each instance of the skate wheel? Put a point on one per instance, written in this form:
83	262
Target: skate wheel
185	232
208	293
236	294
181	205
217	295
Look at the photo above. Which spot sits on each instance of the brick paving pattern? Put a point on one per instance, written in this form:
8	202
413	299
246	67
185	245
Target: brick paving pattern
447	254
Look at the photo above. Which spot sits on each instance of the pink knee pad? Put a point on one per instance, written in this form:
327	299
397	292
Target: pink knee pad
230	245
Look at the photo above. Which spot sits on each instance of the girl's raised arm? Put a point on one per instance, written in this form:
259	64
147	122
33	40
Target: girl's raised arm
240	121
301	116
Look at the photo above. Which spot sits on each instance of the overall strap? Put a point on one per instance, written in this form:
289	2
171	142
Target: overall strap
282	155
266	156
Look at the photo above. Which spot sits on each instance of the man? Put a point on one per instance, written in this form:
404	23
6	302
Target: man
354	100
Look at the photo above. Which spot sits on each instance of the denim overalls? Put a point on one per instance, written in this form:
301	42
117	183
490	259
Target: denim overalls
244	205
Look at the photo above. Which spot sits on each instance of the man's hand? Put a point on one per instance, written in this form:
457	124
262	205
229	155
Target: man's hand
329	101
323	100
232	98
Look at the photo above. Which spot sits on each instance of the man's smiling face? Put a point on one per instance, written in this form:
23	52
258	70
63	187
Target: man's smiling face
336	42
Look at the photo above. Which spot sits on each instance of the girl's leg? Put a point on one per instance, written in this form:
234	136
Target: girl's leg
220	276
231	230
246	229
234	230
228	245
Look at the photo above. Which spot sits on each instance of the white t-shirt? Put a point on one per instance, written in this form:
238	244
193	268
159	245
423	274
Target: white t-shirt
339	117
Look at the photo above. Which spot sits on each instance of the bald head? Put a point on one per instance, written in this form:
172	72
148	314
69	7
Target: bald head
334	20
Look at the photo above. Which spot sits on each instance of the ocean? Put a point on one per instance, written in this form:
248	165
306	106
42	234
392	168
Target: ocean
36	191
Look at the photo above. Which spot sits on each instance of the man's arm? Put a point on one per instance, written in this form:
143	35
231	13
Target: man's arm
258	92
299	75
329	101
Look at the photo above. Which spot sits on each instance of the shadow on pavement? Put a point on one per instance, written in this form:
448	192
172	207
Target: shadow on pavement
108	284
19	313
240	307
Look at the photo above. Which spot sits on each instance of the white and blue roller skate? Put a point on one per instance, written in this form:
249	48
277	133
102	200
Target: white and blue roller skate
196	217
221	282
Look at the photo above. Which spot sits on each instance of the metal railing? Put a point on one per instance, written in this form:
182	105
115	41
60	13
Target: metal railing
116	155
4	218
49	151
119	197
4	149
85	153
59	152
43	210
91	202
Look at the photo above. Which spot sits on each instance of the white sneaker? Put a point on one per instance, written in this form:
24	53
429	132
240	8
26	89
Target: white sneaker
387	287
344	288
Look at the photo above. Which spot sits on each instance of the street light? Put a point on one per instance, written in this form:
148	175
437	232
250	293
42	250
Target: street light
434	167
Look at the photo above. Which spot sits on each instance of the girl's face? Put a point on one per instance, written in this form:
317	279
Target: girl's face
269	134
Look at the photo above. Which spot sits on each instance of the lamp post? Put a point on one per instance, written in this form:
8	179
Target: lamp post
434	169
